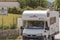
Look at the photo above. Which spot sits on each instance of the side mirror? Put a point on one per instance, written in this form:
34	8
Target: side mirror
47	28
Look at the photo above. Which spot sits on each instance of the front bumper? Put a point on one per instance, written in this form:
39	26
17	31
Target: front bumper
33	37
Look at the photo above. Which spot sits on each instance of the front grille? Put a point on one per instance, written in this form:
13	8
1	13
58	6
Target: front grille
31	35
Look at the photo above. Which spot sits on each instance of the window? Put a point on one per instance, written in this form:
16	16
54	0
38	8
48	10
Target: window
36	24
52	20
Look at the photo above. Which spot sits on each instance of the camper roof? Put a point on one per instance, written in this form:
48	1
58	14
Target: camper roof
34	14
35	11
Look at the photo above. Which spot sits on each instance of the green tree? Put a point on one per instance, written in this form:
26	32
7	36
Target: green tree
33	3
56	3
22	3
44	3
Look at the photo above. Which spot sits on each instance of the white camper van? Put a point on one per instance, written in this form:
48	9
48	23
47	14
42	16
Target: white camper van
40	24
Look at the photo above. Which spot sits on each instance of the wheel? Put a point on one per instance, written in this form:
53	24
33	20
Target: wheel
49	38
53	38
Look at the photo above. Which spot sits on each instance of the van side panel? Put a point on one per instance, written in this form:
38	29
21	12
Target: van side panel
54	17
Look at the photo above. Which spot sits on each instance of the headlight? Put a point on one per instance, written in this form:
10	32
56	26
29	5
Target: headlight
39	34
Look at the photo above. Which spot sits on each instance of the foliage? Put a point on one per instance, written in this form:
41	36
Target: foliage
10	10
44	3
7	27
1	27
56	3
40	8
14	11
28	8
22	3
13	26
28	5
4	27
33	3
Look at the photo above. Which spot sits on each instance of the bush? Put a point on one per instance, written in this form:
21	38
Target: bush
1	27
10	10
40	8
20	11
14	11
4	27
28	8
13	26
8	27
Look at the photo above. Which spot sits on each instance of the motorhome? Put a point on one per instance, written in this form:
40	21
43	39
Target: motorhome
39	24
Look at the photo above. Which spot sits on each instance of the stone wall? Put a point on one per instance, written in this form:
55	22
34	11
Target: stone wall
12	34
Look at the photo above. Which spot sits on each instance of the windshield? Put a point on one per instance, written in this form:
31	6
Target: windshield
35	24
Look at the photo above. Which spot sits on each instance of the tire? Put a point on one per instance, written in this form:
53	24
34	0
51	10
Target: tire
53	38
49	38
